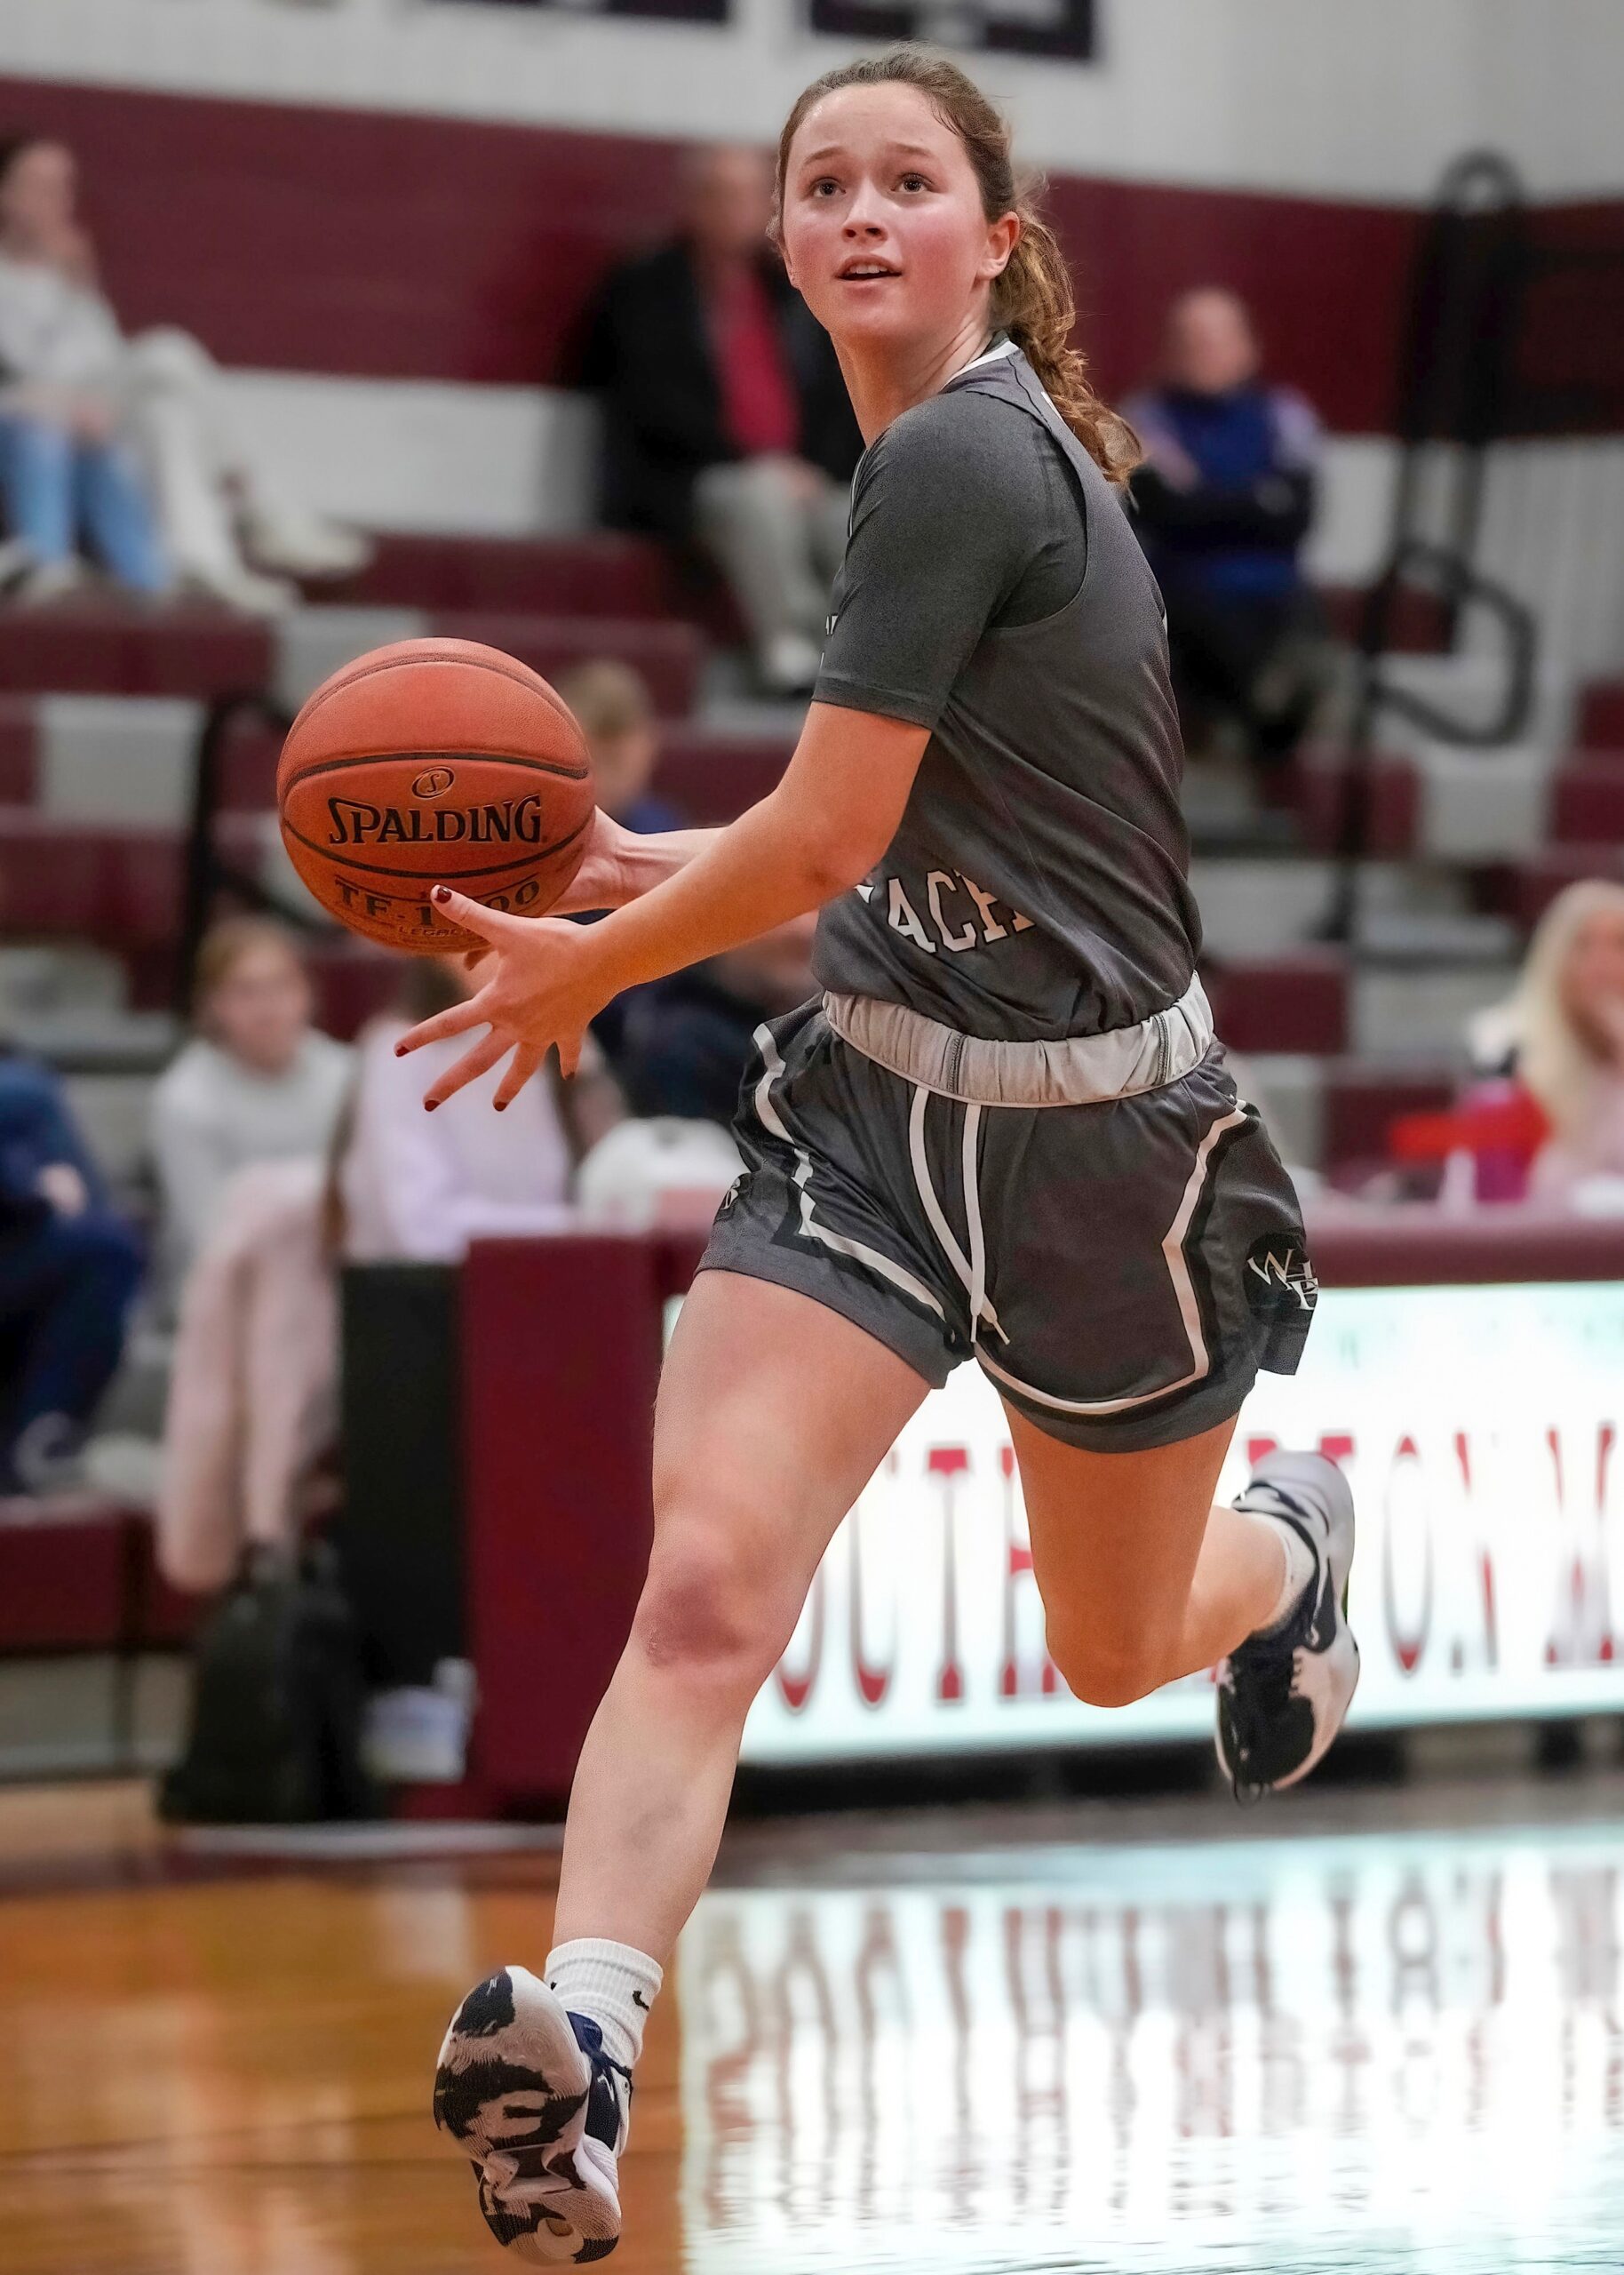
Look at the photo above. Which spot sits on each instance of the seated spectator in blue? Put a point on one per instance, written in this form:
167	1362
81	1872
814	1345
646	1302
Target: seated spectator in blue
726	421
257	1083
1225	498
68	1269
688	1038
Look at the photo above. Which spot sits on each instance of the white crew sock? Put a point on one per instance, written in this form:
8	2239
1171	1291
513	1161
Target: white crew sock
1301	1565
612	1984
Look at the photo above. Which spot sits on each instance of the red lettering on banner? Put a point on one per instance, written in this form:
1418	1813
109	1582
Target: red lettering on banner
1337	1446
795	1690
872	1680
1485	1564
949	1463
1582	1632
1406	1648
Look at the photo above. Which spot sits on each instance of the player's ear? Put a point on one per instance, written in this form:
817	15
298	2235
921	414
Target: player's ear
1003	236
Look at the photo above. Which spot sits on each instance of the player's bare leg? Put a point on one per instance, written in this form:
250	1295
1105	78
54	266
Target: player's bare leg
1144	1578
774	1413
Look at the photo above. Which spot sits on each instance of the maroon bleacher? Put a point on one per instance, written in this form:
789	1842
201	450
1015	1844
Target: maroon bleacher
112	646
601	574
1601	716
1359	1102
78	1575
1587	801
1526	891
1317	785
1296	1001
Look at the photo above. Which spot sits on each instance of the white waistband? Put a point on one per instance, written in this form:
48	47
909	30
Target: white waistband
1083	1070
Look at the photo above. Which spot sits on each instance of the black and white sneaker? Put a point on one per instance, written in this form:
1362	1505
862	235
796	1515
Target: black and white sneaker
1282	1697
526	2090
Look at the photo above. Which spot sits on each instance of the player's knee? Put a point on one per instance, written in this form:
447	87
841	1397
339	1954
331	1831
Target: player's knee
703	1618
1107	1670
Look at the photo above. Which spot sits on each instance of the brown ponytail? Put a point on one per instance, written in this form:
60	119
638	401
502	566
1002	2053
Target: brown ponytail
1032	300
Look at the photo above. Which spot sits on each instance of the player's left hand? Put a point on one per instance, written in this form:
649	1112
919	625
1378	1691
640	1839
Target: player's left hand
540	989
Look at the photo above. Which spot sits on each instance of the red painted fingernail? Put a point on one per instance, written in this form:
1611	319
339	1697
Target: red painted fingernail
400	1050
501	1105
429	1105
441	892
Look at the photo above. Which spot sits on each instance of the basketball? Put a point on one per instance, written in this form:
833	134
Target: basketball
427	763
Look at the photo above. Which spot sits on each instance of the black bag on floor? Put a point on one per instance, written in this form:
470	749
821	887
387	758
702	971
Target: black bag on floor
277	1700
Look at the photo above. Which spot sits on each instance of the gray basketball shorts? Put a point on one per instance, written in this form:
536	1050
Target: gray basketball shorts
1120	1271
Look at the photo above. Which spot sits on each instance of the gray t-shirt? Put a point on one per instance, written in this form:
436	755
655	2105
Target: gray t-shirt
993	591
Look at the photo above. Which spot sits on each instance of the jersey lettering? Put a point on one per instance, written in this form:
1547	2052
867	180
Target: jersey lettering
939	882
991	929
904	920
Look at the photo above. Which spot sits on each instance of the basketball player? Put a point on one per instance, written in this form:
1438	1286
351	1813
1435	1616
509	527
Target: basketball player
1005	1132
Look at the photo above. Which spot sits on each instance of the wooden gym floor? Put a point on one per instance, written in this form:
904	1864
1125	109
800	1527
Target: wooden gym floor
1371	2032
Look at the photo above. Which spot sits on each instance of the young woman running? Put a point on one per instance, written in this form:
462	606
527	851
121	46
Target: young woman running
1004	1132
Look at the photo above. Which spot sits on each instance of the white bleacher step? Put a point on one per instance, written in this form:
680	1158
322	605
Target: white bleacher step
132	1042
62	980
116	758
113	1108
1481	805
1417	1011
1253	906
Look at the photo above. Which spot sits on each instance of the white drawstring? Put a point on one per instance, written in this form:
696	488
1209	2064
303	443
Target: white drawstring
972	1270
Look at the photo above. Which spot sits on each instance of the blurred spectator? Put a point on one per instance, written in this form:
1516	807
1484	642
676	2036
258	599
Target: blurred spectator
1568	1023
251	1406
688	1037
119	444
1225	498
424	1185
726	419
616	712
68	1268
257	1083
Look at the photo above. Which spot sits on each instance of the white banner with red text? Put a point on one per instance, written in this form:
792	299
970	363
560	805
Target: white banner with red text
1478	1427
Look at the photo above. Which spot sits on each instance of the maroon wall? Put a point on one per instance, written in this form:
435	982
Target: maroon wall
311	239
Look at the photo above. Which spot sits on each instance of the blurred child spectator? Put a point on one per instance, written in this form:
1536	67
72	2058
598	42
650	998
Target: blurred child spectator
726	419
1566	1024
251	1406
616	711
1226	496
118	446
616	715
257	1082
68	1268
688	1037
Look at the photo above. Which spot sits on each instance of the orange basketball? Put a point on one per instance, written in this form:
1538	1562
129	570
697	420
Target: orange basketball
434	762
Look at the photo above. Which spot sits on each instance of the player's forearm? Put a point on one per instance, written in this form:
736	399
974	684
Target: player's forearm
741	882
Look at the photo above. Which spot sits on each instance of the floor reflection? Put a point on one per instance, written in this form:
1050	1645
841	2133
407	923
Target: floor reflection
1378	2051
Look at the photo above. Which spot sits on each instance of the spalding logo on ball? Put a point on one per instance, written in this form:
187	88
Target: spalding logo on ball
434	762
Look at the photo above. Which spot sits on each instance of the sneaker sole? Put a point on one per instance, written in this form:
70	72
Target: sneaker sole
512	2082
1340	1663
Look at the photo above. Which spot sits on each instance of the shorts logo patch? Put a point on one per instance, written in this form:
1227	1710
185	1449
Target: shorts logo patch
733	1192
1280	1282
